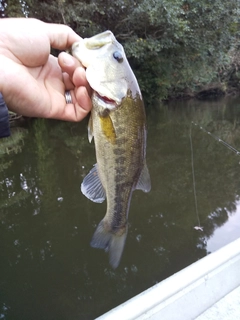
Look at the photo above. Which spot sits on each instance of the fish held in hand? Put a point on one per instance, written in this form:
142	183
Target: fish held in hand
118	125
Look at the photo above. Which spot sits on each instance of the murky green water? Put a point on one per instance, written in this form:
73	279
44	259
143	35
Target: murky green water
48	269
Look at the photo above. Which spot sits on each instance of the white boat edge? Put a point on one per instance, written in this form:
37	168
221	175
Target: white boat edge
189	292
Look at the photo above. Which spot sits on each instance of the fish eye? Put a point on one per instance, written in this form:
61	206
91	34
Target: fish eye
118	56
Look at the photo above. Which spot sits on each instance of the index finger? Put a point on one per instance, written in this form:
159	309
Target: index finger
61	36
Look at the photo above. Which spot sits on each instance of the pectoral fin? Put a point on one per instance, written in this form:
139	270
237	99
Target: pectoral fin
90	129
108	128
144	181
92	187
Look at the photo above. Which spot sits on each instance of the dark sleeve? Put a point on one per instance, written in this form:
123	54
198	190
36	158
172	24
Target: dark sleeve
4	121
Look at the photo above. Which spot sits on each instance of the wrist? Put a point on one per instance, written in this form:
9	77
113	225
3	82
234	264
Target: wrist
2	73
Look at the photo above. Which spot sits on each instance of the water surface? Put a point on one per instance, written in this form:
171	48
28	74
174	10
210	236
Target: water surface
48	269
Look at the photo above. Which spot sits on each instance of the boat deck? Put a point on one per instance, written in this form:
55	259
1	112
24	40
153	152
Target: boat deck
227	308
207	289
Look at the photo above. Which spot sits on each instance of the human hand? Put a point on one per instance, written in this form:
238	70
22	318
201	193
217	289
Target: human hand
33	82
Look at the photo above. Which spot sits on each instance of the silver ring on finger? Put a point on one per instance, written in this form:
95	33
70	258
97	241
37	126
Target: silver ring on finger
68	97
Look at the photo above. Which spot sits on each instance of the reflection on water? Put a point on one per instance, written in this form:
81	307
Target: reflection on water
48	269
227	232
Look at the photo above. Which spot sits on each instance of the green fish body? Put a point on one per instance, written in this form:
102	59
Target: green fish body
118	125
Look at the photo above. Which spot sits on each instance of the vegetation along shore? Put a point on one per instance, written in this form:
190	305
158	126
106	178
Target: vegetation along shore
177	48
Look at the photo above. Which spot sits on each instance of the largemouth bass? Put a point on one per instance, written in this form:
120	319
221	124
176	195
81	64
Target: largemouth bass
118	125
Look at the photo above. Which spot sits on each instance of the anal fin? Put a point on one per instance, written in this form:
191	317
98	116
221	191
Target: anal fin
144	181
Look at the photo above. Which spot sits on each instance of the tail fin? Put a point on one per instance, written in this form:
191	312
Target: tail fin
112	242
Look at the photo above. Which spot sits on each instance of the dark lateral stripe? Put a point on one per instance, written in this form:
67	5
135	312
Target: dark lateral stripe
120	160
119	178
120	170
121	140
121	130
118	151
118	208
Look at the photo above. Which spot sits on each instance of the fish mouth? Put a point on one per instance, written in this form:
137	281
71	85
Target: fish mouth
107	103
